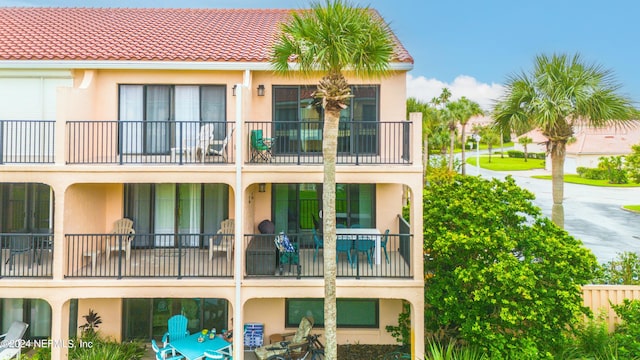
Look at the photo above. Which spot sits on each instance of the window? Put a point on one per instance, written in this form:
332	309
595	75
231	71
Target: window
156	118
35	312
296	205
147	318
26	208
298	120
352	313
168	209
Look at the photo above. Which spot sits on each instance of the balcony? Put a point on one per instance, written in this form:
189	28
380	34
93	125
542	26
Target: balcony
148	255
149	142
27	141
359	142
26	255
189	257
190	142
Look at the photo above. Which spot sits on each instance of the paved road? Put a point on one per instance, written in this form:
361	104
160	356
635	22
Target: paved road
592	214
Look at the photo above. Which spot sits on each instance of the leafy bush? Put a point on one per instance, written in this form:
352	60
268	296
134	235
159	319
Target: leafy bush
613	169
623	270
106	349
591	173
632	163
402	332
502	276
515	154
627	333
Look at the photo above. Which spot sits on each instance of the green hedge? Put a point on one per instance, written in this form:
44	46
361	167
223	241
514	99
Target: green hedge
520	155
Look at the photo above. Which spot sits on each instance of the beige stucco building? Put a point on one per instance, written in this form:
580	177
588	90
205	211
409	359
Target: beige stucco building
149	115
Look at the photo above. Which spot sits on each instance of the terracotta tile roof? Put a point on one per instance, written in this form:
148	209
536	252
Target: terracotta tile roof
113	34
602	141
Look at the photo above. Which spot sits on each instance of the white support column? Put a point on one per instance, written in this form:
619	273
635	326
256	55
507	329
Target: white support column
238	338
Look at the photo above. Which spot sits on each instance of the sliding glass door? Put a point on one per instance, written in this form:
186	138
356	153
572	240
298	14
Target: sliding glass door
156	118
175	212
298	206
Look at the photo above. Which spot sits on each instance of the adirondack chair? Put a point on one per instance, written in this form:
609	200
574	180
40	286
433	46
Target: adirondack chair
223	240
121	237
166	353
177	329
9	342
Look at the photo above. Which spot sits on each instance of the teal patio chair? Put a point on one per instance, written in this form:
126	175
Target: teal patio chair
367	246
383	244
177	329
344	246
164	353
260	146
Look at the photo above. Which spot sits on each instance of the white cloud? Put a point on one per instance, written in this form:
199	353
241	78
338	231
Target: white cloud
425	89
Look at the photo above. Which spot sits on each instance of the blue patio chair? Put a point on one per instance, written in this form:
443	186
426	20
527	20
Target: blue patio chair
345	246
317	243
164	353
383	244
177	329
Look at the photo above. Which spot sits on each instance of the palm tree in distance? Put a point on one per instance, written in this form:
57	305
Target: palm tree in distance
560	93
525	141
462	110
329	40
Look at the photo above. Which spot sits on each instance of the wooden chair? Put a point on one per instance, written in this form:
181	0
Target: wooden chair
121	237
223	240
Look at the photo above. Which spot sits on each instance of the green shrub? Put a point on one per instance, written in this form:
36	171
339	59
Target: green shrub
515	154
623	270
402	332
612	166
105	349
627	333
503	277
591	173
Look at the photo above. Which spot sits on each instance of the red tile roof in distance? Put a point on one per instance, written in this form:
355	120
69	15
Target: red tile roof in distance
114	34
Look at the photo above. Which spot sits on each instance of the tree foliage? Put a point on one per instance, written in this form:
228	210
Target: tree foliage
561	93
632	163
498	274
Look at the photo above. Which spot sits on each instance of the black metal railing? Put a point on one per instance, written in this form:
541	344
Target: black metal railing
26	255
27	141
149	142
145	255
356	259
359	142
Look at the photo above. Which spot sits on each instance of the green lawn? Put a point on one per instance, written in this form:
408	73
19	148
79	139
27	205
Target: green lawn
575	179
506	163
635	208
506	145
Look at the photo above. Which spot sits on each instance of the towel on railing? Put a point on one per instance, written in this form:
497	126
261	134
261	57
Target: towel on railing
283	244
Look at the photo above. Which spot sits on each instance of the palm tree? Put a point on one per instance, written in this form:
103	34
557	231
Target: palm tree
333	38
560	93
525	141
462	110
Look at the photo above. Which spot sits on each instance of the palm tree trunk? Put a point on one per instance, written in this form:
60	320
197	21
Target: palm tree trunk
329	150
557	182
464	145
452	143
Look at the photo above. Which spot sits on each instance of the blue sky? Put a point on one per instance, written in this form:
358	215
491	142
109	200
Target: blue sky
471	46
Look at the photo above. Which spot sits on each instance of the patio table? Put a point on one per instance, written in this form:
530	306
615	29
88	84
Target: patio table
191	349
362	234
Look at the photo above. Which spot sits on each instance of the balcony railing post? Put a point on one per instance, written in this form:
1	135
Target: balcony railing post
179	257
120	143
2	123
119	256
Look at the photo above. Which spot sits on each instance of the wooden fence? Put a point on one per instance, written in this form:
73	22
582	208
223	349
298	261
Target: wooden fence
600	297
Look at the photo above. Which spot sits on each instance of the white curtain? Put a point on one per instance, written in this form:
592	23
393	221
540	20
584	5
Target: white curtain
131	109
165	214
187	115
189	220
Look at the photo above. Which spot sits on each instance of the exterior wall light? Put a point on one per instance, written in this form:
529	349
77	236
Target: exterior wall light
260	90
